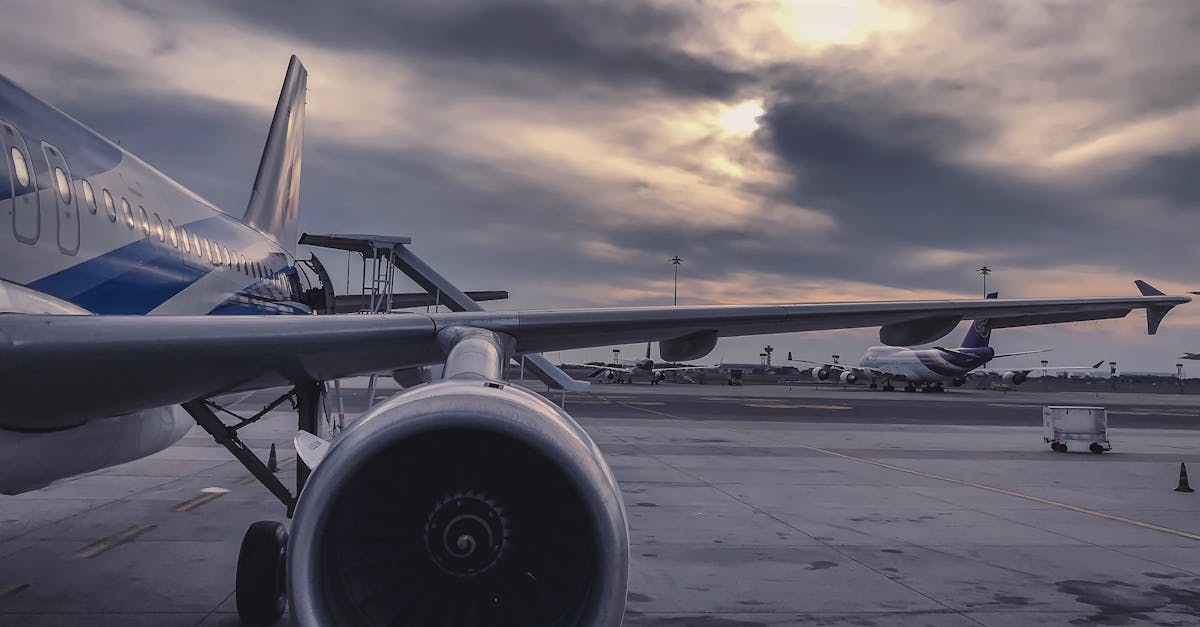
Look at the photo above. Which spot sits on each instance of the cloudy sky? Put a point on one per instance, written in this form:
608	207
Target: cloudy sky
806	150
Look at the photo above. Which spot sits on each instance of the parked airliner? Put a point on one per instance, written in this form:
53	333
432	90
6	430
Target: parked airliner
130	302
929	369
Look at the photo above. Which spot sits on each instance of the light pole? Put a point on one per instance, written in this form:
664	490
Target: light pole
762	360
985	271
675	261
1112	374
1045	383
768	349
1179	375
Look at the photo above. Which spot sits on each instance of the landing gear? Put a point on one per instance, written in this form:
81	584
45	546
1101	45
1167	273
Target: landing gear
908	387
1096	448
933	387
261	591
888	387
1058	447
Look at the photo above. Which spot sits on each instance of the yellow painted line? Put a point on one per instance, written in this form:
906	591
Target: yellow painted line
798	406
1027	497
286	462
644	403
653	411
1012	405
1151	412
100	546
193	503
247	480
8	591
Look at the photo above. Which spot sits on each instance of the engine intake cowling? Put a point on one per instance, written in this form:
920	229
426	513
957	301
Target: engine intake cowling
820	373
848	377
1015	378
463	502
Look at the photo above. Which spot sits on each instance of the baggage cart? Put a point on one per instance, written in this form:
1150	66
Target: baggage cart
1062	424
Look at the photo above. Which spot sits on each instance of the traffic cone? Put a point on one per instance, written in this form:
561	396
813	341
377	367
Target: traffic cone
1183	482
272	461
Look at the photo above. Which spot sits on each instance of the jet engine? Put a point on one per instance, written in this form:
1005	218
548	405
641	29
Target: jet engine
848	377
1015	378
462	502
820	373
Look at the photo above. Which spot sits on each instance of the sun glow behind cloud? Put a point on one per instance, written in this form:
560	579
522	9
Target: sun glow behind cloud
823	23
742	118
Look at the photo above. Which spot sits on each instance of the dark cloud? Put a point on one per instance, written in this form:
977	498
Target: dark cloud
577	43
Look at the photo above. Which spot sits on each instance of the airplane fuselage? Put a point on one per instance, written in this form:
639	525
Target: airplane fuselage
926	364
93	225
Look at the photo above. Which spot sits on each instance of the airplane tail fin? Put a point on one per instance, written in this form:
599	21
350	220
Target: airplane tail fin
274	200
980	333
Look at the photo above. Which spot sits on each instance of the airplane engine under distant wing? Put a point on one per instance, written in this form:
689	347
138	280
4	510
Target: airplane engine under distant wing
469	498
1015	378
848	377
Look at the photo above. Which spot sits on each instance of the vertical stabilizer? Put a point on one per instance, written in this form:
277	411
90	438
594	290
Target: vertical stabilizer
274	201
980	332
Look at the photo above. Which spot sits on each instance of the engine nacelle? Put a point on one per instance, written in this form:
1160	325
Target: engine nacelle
958	381
467	501
1015	378
820	373
848	377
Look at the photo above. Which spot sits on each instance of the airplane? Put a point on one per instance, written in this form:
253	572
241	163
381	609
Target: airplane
130	305
643	367
929	369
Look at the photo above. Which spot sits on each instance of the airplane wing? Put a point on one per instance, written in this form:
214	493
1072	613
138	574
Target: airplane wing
1044	350
857	369
59	370
610	368
678	368
1035	368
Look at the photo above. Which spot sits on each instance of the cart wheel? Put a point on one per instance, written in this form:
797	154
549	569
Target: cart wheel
1061	447
1054	446
1096	448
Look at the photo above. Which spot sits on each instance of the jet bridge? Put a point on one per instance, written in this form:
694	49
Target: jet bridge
382	255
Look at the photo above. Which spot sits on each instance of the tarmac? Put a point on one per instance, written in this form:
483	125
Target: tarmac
747	506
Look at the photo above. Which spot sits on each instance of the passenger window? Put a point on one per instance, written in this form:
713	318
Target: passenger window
109	207
20	167
89	195
64	186
173	234
196	245
207	250
227	257
187	243
242	264
128	211
144	220
158	229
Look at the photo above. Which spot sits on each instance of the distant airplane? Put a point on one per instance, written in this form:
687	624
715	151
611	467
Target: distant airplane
929	369
130	304
1191	356
626	370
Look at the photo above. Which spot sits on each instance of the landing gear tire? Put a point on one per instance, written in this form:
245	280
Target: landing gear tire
1060	447
910	388
1096	448
261	590
888	387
